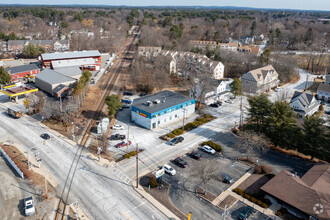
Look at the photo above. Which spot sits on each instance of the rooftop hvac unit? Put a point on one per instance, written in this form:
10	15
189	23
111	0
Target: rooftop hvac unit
157	101
149	103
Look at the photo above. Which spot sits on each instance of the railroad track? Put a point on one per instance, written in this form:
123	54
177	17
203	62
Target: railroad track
106	86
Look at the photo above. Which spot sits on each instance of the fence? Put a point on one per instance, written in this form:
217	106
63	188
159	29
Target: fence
20	173
100	73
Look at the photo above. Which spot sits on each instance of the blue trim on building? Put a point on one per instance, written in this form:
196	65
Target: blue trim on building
162	112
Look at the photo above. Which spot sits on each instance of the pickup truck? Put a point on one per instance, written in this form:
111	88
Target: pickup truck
117	137
29	206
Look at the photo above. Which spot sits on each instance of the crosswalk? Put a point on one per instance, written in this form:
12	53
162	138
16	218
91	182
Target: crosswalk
120	173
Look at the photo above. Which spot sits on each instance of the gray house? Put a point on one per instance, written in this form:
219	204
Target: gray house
55	82
304	104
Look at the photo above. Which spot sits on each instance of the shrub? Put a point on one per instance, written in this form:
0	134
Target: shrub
278	213
283	210
266	169
170	135
127	156
153	182
190	126
254	200
250	160
197	123
264	205
132	153
267	201
241	192
203	120
208	116
257	169
259	202
177	131
236	190
270	175
247	196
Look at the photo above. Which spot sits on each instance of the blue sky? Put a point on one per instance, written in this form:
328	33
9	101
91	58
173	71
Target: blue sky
280	4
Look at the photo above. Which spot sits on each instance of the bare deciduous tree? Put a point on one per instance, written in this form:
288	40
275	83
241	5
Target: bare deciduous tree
204	171
252	143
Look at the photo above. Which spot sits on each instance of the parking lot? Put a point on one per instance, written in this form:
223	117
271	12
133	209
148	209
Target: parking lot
185	182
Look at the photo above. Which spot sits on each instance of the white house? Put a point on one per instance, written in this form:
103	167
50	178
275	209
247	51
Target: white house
211	92
304	104
323	92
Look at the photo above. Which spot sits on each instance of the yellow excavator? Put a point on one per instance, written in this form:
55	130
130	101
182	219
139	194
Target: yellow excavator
29	78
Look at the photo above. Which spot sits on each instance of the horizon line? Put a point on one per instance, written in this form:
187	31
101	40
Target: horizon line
162	6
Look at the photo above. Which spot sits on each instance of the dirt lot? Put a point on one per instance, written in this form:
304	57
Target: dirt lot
161	194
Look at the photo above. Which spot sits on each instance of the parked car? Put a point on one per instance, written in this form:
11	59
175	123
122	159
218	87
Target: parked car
245	213
142	94
180	162
208	149
215	105
45	136
195	155
227	179
123	144
117	137
176	140
169	170
128	93
29	206
327	112
278	89
117	127
126	106
126	100
229	101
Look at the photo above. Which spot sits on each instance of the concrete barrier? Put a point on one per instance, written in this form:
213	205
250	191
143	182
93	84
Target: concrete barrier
19	172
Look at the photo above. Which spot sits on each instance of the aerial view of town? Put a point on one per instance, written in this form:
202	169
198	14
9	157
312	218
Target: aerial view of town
164	110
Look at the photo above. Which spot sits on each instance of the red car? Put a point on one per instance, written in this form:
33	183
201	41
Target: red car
195	155
123	144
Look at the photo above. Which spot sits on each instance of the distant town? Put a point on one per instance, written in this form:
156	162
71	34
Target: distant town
155	113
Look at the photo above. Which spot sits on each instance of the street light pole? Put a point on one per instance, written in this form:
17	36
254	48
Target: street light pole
184	114
28	152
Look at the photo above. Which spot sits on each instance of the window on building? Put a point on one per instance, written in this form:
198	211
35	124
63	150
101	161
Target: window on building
158	122
170	118
181	106
176	108
186	104
164	112
158	114
176	116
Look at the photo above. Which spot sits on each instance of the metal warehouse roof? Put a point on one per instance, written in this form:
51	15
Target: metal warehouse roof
55	77
23	68
70	55
167	99
75	62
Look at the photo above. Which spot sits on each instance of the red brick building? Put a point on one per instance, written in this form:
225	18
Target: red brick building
19	72
76	58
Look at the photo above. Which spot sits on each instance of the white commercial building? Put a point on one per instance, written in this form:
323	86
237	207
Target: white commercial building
157	110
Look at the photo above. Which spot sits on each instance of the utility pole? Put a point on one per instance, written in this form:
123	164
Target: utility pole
306	81
241	119
137	166
184	114
127	139
27	153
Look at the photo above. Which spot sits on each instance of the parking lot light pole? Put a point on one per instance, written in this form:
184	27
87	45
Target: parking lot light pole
184	114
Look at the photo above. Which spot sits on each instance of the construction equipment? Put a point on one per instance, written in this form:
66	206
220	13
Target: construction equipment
14	112
29	78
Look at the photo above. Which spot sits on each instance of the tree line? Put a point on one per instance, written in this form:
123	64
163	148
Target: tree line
277	122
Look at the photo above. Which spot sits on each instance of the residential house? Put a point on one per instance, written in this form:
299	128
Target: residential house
260	80
307	197
233	46
304	104
17	46
246	40
327	79
211	92
323	92
253	49
204	44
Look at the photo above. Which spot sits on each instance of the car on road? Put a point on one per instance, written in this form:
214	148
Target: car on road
195	155
180	162
117	137
142	94
117	127
29	206
176	140
208	149
123	144
45	136
229	101
169	170
247	211
215	105
278	89
226	178
128	93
